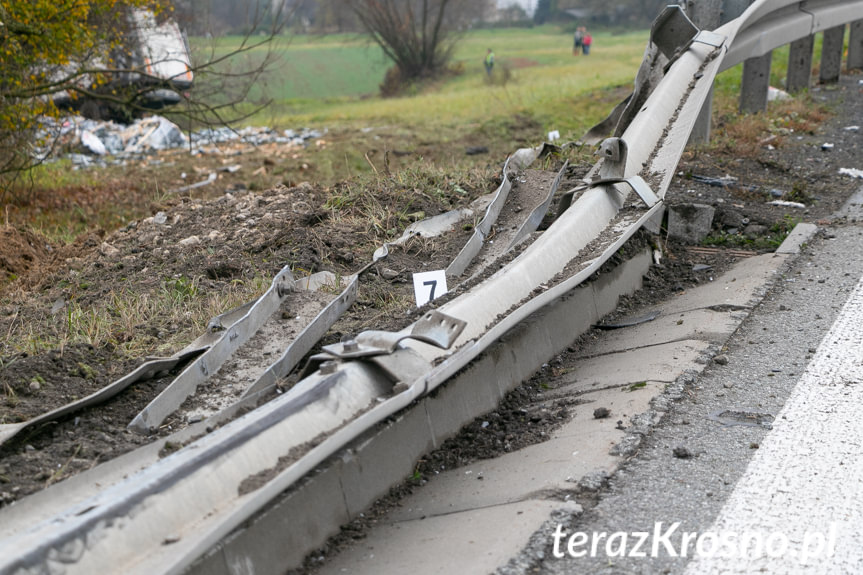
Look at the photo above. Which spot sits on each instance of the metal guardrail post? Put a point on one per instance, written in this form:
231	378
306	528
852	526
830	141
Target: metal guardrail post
800	64
831	55
755	84
855	47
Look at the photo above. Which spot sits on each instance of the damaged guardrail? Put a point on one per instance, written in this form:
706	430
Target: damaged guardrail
167	516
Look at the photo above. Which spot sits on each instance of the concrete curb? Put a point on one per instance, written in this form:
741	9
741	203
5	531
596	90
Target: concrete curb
801	234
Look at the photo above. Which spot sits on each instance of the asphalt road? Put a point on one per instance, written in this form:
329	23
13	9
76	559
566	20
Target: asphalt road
757	467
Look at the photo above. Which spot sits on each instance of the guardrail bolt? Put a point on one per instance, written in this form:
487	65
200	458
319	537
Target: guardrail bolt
350	346
328	367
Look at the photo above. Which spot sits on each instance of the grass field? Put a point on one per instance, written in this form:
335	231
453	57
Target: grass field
326	80
320	80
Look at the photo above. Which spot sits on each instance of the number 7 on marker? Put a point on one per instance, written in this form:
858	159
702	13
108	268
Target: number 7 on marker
433	284
429	285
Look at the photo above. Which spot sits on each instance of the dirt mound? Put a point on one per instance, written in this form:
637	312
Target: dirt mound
21	251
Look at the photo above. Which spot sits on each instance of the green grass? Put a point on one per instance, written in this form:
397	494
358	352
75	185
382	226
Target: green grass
323	81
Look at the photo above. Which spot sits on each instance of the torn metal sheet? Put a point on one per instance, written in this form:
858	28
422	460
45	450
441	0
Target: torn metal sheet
152	367
145	371
672	31
198	371
313	332
434	328
474	244
538	214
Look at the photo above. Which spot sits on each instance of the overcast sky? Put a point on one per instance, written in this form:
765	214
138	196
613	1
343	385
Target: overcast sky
528	5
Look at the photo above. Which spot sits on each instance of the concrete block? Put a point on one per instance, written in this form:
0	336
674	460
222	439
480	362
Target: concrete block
524	474
702	324
854	60
737	287
690	223
451	406
628	277
831	55
579	447
799	64
801	234
456	543
382	457
755	84
654	223
852	210
663	362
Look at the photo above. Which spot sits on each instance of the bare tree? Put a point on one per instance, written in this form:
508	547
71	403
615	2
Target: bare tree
417	35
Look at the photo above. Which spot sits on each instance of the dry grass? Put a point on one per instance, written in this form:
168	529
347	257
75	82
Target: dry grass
134	323
746	135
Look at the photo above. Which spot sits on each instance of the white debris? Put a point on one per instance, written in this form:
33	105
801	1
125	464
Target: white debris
92	142
853	172
148	135
775	94
787	204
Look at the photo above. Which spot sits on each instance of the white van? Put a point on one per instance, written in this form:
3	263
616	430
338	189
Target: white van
156	63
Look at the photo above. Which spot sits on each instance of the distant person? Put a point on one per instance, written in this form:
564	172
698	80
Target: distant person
489	62
586	42
578	41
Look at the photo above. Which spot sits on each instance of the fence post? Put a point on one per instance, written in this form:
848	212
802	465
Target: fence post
755	84
831	54
855	47
756	71
799	64
706	14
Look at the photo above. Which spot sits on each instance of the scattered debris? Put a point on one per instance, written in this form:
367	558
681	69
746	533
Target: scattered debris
594	481
209	180
601	413
777	95
787	204
84	138
727	181
681	452
826	147
853	172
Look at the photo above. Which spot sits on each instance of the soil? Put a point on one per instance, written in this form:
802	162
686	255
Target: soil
191	244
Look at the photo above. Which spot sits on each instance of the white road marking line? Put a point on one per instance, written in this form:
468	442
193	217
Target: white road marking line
805	483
